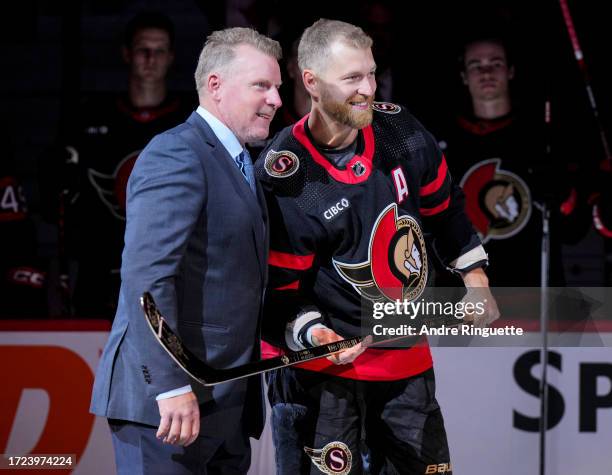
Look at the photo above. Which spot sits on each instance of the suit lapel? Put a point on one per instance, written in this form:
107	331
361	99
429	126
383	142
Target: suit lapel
255	204
263	255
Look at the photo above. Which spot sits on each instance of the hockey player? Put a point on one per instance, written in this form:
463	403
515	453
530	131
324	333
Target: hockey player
352	188
109	135
498	157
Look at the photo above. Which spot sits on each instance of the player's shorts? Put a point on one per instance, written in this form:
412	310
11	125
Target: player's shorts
332	425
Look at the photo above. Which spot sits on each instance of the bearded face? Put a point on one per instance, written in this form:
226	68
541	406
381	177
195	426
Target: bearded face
354	112
346	85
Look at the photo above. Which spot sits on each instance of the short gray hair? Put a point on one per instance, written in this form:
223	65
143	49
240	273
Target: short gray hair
317	39
219	50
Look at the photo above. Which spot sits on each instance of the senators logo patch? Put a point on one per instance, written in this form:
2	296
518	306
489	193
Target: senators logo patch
281	164
386	107
396	268
498	202
334	458
112	188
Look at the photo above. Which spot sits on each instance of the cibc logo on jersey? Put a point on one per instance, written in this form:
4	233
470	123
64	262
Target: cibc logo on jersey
396	268
333	211
498	202
281	164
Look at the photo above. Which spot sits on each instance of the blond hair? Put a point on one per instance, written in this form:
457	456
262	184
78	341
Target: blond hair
314	47
219	50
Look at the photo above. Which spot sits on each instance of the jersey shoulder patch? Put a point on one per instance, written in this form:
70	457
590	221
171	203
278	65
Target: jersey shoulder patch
280	164
386	107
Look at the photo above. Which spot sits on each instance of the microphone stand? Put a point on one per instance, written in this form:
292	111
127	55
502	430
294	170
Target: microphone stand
543	391
544	207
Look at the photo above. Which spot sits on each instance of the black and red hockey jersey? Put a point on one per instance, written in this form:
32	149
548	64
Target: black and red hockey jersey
342	237
502	168
106	143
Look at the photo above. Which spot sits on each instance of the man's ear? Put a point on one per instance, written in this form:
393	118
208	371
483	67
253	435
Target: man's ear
311	82
213	85
463	78
511	72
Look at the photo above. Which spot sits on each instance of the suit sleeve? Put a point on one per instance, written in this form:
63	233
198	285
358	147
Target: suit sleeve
165	196
289	309
442	208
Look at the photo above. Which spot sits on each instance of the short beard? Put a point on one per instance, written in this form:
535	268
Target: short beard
343	113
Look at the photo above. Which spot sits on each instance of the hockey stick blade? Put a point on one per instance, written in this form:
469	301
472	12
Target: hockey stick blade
208	376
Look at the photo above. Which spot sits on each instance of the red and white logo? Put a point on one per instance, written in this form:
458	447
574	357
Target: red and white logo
498	202
396	268
386	107
112	189
334	458
281	164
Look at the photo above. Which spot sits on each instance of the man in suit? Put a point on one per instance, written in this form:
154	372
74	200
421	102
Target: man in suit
196	238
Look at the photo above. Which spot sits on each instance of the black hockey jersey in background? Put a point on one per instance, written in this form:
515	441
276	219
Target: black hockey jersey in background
107	140
503	170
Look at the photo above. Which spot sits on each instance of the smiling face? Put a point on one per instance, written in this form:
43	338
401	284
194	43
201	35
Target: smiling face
150	55
246	93
345	88
487	74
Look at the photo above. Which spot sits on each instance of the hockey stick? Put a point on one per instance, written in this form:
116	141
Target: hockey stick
606	164
208	376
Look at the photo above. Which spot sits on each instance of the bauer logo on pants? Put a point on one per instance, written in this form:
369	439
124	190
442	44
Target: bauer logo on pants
334	458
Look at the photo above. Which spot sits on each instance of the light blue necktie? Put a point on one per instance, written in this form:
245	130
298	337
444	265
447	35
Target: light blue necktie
246	167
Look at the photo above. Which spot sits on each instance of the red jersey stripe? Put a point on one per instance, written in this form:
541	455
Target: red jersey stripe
378	364
436	209
435	185
292	286
290	261
374	364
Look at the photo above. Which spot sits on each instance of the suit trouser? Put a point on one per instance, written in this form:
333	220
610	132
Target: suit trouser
139	452
327	424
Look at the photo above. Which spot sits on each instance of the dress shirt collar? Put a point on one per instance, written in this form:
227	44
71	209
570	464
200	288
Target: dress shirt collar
222	131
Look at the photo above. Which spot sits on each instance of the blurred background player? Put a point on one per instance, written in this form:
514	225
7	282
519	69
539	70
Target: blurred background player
110	133
497	154
22	270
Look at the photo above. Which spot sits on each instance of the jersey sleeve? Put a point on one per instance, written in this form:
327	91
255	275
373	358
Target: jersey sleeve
442	207
289	309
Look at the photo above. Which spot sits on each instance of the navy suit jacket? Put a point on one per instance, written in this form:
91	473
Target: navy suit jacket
196	238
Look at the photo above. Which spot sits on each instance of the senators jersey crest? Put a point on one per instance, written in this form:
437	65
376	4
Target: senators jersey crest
397	266
498	202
